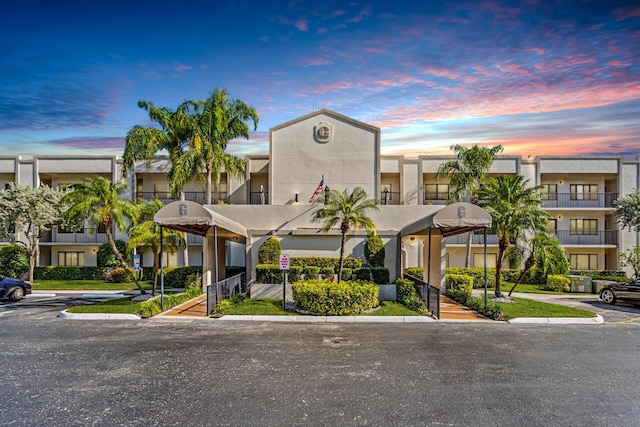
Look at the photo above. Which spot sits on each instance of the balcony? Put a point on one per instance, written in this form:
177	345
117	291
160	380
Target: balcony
193	239
192	196
477	239
259	198
87	235
599	237
436	198
389	198
578	200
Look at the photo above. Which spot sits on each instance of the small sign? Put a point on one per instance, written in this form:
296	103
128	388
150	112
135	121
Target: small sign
284	261
136	263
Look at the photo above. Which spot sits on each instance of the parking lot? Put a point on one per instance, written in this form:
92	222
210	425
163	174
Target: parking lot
41	305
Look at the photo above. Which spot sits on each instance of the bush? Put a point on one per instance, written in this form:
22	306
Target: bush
233	270
592	273
374	251
106	257
268	273
294	274
68	273
178	277
311	272
363	273
14	261
333	298
380	275
120	275
478	275
347	274
459	282
417	272
492	310
269	252
152	307
406	295
327	272
349	262
619	279
557	283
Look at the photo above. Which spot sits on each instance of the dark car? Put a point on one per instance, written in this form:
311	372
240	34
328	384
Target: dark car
14	289
629	291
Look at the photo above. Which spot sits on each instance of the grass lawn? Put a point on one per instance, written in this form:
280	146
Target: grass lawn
256	306
530	308
391	308
120	305
527	288
85	285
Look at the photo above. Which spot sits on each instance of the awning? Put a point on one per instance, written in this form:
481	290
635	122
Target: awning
455	218
190	217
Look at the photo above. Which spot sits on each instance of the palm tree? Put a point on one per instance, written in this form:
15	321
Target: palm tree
217	120
515	210
145	235
544	256
348	210
97	201
466	175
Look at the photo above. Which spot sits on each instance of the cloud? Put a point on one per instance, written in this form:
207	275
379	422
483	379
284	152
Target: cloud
181	67
315	62
302	25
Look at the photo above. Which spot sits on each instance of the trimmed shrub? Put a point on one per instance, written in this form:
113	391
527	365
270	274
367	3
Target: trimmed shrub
417	272
557	283
268	273
406	295
363	273
14	261
233	270
349	262
294	274
68	273
478	275
592	273
619	279
380	275
106	257
459	282
178	277
327	272
152	307
374	251
269	252
311	272
333	298
492	310
347	274
120	275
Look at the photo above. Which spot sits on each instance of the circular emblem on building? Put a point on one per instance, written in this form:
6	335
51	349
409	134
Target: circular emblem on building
323	132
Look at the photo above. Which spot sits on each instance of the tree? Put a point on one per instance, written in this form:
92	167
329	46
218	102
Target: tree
97	201
515	211
631	258
14	260
348	210
269	251
216	120
145	235
544	255
32	213
466	175
374	251
628	211
106	257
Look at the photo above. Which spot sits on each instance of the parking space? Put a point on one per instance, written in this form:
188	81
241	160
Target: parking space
45	305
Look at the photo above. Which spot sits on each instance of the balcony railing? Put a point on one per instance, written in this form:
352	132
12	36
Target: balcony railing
599	237
389	198
193	239
435	198
578	200
88	235
259	198
193	196
476	239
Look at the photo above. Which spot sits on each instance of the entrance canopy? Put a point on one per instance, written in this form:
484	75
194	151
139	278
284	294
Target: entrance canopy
453	219
190	217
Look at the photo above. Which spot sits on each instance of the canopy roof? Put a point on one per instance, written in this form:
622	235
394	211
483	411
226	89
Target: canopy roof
455	218
193	218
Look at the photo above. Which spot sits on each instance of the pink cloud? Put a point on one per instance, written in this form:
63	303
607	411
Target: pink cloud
618	63
315	62
302	25
364	12
623	13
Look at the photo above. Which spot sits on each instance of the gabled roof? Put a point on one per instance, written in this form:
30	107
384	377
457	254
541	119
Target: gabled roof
327	113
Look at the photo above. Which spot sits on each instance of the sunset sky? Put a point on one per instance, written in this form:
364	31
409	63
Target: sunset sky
539	77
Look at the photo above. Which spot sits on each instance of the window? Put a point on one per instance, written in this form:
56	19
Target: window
70	231
161	190
478	260
584	226
584	191
436	191
549	192
102	229
71	259
552	225
584	261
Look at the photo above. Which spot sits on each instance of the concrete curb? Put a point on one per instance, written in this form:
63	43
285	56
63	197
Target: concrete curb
598	320
329	319
97	316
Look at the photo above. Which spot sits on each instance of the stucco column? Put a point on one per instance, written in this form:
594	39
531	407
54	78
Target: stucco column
434	266
208	259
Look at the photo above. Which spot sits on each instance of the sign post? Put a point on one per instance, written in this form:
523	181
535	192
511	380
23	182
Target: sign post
284	265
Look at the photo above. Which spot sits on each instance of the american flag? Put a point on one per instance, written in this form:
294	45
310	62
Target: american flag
319	190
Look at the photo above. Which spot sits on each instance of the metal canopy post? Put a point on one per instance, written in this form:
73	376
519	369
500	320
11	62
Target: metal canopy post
485	267
161	273
215	256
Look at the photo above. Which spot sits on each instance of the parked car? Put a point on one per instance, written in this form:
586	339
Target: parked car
14	289
629	291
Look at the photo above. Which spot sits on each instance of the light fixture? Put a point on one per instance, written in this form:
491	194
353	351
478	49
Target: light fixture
296	198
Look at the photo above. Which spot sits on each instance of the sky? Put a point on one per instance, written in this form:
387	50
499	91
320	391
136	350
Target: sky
539	77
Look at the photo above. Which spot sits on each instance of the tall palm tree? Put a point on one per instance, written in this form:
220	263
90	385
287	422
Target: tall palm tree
466	175
173	135
217	120
97	201
515	210
544	255
145	235
348	210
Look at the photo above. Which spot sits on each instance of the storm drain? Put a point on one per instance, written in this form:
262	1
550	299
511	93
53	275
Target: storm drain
340	342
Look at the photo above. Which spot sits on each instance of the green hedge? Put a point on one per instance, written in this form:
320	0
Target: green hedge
177	277
380	275
347	274
619	279
417	272
152	307
459	282
592	273
120	275
68	273
232	270
294	274
363	273
268	273
557	283
311	272
349	262
333	298
478	275
406	295
491	310
327	273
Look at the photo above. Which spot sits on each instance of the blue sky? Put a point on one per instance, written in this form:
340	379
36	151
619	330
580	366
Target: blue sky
539	77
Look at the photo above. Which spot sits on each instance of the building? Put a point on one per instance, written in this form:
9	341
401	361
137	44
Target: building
272	197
